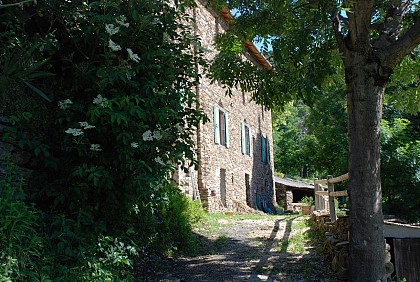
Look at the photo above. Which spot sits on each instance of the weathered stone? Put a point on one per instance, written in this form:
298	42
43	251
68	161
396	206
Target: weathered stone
226	176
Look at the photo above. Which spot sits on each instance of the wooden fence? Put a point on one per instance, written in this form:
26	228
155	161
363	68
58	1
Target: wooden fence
324	196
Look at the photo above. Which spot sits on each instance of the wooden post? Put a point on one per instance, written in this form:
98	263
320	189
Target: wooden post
333	215
316	188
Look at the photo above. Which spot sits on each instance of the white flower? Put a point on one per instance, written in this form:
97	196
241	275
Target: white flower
95	147
159	160
85	125
136	209
147	136
114	46
157	135
112	29
133	56
64	104
170	5
74	131
156	21
121	21
99	100
134	144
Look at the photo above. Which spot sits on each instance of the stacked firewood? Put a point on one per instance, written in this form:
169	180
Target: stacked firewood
337	245
341	228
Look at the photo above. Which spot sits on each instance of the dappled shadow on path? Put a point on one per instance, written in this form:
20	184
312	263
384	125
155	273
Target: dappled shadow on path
271	243
245	252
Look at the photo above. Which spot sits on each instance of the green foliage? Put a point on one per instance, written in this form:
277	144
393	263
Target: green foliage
109	261
300	41
325	125
307	200
122	117
290	139
399	164
403	90
22	254
311	141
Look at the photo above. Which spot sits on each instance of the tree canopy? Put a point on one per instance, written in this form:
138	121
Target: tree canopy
373	38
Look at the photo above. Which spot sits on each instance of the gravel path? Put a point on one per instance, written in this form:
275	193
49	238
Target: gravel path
264	249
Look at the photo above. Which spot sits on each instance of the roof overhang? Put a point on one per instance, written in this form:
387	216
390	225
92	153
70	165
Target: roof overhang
249	46
293	183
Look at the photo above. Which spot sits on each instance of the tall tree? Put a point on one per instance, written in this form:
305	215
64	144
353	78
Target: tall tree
373	37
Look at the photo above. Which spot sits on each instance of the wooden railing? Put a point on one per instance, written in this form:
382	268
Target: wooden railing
324	199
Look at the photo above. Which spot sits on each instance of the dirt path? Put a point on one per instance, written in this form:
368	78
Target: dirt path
268	248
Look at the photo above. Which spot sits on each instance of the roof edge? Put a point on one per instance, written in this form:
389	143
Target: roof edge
248	45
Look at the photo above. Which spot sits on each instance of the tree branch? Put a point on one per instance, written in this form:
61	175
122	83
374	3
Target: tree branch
16	4
390	29
361	16
393	54
337	29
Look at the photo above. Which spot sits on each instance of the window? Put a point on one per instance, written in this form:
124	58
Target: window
221	133
265	149
245	139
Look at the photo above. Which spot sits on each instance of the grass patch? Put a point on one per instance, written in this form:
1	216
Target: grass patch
302	233
221	241
211	224
296	236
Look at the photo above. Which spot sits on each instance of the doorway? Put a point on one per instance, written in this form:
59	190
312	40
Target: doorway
247	190
223	186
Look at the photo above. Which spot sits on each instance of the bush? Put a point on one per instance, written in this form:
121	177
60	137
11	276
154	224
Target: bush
176	216
22	254
116	82
307	200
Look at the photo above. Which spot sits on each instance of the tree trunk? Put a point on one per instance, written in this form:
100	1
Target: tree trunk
365	89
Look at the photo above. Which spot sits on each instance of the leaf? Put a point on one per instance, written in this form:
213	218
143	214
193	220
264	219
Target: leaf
37	91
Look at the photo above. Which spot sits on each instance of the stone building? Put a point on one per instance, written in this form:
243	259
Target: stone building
234	149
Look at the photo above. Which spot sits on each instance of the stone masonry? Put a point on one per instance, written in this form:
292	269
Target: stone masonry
226	177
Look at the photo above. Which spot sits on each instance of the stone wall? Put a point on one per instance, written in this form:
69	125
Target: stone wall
215	158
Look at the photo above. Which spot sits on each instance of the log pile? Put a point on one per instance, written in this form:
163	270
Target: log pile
336	244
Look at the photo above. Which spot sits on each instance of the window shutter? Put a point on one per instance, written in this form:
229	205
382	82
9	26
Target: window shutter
268	150
227	129
243	138
250	140
216	125
263	148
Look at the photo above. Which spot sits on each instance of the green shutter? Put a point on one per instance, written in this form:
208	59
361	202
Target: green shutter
216	125
227	129
263	148
250	140
243	138
268	150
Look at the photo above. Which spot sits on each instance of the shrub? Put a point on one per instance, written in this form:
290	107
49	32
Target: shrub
22	254
307	200
120	76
